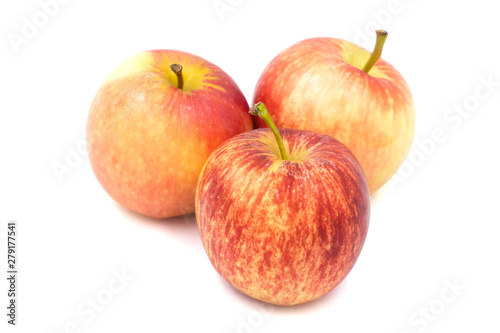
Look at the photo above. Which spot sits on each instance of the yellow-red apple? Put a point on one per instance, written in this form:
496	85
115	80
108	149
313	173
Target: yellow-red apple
335	87
154	122
282	221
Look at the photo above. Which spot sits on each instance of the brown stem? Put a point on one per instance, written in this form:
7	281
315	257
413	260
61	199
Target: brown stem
177	69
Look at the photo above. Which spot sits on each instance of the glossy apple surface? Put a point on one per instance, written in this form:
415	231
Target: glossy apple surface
282	231
318	84
148	140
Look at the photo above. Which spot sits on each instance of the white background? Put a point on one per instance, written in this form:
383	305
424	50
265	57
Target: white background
436	227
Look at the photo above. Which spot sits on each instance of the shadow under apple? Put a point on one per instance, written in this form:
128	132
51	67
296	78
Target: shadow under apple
284	311
181	227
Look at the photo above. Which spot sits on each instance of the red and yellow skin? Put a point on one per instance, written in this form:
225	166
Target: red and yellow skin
282	231
318	84
148	140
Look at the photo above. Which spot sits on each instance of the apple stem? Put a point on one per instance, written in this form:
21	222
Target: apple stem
377	51
177	69
260	110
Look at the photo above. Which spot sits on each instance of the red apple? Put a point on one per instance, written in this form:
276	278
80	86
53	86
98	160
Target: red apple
154	122
283	222
335	87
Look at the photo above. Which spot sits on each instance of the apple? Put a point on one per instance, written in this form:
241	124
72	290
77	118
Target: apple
335	87
152	125
282	215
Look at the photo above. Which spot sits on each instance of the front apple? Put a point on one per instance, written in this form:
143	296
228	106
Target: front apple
154	122
332	86
284	231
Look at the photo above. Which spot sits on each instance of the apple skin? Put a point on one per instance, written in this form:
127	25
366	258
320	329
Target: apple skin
317	85
148	140
282	231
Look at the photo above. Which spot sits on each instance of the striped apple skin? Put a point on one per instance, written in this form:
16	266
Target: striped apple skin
284	232
317	85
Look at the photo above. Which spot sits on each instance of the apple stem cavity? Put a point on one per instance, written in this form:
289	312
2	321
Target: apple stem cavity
260	110
177	69
377	51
